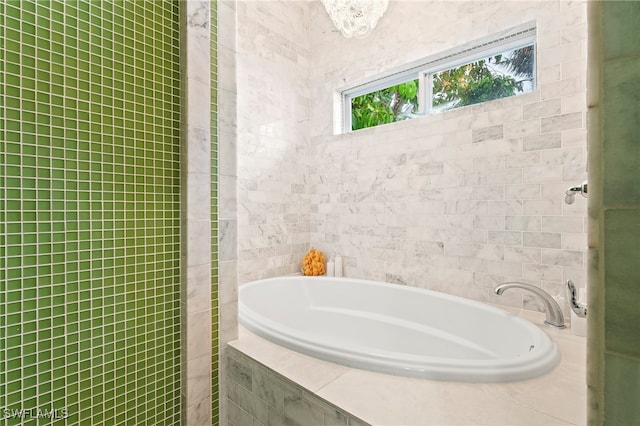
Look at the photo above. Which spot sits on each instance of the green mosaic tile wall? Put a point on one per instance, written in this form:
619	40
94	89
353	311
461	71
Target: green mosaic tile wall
89	212
215	392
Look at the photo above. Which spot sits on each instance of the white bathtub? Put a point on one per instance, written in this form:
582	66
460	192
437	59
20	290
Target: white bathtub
396	329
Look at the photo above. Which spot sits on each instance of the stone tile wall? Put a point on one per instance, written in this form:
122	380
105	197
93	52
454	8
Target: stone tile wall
273	138
227	294
459	201
196	302
456	202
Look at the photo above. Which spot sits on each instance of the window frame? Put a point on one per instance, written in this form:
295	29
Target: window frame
423	70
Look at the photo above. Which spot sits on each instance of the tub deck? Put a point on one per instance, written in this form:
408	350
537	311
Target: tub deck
557	398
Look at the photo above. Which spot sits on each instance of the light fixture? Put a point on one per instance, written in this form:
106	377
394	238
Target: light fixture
355	18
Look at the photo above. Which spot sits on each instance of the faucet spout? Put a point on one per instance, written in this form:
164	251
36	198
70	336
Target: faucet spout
555	317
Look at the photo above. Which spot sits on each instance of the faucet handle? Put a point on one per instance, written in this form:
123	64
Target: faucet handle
579	309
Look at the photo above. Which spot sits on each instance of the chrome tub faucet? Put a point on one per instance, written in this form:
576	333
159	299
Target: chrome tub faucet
555	317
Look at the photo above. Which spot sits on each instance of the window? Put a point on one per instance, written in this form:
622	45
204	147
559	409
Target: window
481	71
504	74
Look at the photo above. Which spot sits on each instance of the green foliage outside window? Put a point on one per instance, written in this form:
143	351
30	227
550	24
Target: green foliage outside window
495	77
491	78
384	106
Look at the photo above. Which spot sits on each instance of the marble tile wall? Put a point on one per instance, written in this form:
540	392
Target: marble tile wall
272	137
460	201
196	308
227	190
455	202
259	396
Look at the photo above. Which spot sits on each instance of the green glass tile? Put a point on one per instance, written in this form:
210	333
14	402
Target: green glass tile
86	106
621	384
619	39
622	228
620	79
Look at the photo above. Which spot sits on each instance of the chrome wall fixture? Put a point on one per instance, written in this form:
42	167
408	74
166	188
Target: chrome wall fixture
569	197
579	309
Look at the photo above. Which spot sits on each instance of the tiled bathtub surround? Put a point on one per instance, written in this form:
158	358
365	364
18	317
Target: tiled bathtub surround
324	393
456	202
463	200
257	395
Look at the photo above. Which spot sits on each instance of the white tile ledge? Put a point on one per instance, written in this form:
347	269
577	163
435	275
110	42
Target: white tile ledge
558	398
